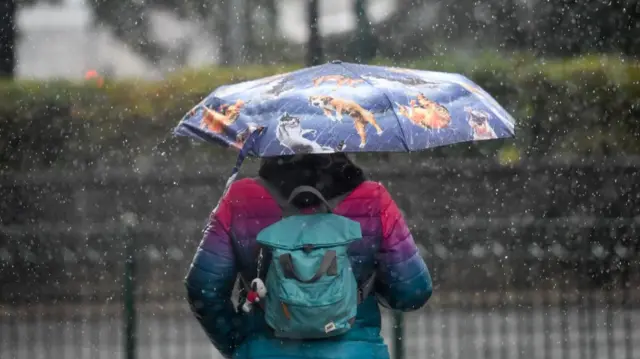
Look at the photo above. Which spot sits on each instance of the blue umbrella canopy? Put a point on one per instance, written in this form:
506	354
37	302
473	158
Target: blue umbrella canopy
346	107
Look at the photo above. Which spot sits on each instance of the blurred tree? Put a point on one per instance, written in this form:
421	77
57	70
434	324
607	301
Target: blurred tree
235	32
223	17
314	44
234	24
262	35
271	9
366	45
507	19
250	40
458	20
572	27
558	25
619	25
7	38
129	22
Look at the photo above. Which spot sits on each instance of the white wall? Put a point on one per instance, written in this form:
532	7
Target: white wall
61	41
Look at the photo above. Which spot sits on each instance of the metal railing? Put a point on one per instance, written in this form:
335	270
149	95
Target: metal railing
460	325
524	286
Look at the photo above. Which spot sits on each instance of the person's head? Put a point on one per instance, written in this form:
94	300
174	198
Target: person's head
332	174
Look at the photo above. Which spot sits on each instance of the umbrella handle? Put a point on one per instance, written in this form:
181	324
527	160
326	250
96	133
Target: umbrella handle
244	152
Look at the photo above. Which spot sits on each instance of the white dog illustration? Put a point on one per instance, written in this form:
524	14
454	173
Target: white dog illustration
291	135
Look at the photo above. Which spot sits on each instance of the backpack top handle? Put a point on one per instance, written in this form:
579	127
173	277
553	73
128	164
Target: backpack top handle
285	204
308	189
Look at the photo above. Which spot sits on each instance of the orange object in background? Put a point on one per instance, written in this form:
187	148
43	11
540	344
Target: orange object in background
93	75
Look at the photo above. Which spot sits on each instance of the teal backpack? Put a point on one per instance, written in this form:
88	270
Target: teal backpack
312	291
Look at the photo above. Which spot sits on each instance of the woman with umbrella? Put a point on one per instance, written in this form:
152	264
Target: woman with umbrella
319	247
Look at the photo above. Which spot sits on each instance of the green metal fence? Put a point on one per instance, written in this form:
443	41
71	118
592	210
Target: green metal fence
596	325
559	280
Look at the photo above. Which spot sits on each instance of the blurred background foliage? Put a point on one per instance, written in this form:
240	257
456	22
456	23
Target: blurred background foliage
569	108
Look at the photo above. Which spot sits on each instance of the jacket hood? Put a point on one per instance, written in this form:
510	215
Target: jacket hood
332	174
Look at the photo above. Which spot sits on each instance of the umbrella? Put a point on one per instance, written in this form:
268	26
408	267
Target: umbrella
340	106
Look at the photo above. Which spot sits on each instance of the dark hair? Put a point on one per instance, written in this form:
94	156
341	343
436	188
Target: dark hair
332	174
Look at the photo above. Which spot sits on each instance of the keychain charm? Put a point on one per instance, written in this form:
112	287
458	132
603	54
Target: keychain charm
257	292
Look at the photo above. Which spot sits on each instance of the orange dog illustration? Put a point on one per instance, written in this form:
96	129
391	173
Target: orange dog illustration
426	113
341	80
217	121
360	116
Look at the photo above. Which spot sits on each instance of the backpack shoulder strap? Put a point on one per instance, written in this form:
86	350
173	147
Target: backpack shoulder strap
277	196
366	288
335	201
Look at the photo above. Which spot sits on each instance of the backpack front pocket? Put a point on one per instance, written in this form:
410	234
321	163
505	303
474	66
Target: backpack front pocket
311	310
326	291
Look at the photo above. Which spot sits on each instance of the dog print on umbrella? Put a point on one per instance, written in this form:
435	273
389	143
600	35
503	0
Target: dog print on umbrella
416	109
489	102
361	117
279	87
290	134
338	79
243	135
404	77
426	113
218	121
479	122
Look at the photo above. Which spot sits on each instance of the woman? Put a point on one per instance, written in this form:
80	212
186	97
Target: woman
229	248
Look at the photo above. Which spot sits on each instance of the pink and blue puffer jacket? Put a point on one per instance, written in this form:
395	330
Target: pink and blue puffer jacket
229	248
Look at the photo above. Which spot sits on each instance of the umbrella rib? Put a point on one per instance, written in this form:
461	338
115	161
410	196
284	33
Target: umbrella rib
404	138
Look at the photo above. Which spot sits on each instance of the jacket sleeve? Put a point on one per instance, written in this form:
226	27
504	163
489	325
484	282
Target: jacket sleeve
403	281
210	281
